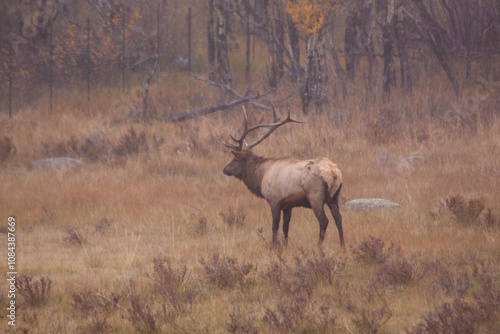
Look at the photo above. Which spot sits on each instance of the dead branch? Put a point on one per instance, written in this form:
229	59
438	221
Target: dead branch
229	89
182	116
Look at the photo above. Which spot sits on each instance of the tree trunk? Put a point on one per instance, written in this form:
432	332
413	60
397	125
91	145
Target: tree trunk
320	97
349	45
399	32
211	41
313	92
338	68
387	30
293	35
247	54
436	41
280	36
223	66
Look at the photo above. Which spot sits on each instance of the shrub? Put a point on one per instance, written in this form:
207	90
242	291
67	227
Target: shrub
386	128
465	211
316	265
74	238
288	315
240	323
200	227
226	272
234	217
369	320
400	270
490	221
371	250
96	147
299	314
93	147
173	286
459	317
294	281
275	273
141	316
102	226
7	148
131	144
35	290
95	309
450	283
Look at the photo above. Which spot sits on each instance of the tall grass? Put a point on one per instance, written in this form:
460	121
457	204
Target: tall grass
150	235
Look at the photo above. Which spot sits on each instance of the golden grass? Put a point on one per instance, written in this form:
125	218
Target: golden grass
154	201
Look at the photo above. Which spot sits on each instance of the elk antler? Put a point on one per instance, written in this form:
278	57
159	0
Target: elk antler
272	126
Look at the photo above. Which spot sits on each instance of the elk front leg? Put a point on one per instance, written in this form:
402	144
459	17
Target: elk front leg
287	215
276	213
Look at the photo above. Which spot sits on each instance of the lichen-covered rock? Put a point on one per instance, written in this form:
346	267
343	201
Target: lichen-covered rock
369	204
58	163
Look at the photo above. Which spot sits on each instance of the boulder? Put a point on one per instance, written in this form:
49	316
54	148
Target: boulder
411	161
370	204
58	163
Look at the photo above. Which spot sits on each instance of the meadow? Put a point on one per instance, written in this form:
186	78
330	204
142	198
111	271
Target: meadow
150	236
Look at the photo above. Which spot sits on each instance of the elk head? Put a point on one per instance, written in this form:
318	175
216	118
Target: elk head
242	151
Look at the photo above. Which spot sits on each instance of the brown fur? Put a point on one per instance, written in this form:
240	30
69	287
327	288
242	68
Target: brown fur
287	183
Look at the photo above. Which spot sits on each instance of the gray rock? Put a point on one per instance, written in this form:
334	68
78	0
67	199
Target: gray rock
370	204
414	161
57	163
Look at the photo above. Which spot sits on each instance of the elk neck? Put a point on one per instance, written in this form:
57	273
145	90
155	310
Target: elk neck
253	172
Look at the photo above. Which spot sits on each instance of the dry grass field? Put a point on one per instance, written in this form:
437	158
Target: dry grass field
150	236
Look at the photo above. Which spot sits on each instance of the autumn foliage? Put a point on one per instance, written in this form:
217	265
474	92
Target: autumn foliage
310	15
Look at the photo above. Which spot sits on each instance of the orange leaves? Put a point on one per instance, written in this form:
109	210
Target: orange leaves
310	15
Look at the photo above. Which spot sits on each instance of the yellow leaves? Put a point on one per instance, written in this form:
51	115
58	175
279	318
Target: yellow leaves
310	15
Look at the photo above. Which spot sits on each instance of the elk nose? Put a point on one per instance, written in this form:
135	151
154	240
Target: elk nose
226	172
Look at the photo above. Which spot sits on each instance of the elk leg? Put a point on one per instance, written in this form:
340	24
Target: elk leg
323	222
334	208
276	223
333	204
287	215
316	195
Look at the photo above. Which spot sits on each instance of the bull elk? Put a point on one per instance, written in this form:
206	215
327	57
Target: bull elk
286	183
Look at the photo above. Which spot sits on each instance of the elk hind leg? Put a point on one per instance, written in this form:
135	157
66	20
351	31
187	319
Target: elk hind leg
323	221
316	194
334	208
333	204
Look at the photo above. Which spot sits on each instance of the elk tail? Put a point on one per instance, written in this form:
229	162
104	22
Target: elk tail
330	174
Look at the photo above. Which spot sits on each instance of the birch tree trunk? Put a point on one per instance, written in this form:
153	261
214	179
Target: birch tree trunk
313	92
399	32
387	31
223	66
211	41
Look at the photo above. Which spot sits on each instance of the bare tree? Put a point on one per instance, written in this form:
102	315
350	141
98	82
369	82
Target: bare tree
434	34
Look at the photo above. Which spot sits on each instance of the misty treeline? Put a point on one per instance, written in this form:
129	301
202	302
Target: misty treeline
310	45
